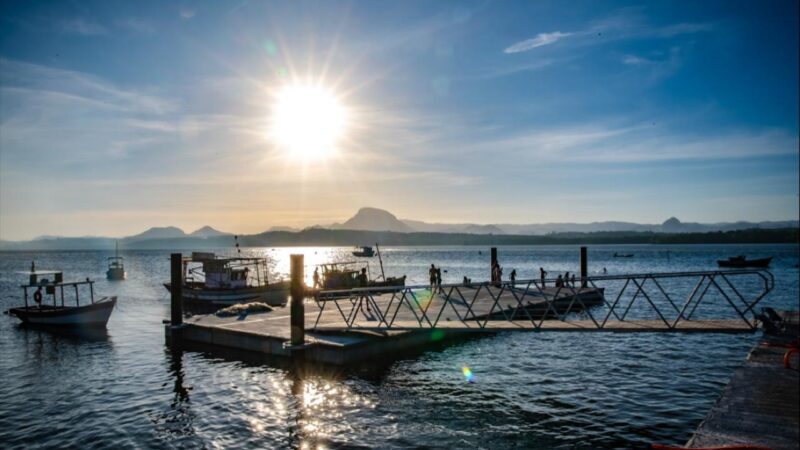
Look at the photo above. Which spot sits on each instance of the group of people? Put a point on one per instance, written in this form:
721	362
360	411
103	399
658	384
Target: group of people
561	281
435	274
565	281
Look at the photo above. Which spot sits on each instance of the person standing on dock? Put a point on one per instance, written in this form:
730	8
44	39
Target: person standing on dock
439	279
513	276
432	276
542	275
566	278
316	278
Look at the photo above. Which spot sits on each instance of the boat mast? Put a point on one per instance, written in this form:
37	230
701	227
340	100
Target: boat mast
380	260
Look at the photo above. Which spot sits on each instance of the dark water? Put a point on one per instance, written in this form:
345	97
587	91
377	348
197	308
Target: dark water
125	389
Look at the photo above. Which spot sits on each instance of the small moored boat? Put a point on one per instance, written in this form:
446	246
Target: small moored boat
742	261
60	312
346	275
623	255
365	252
116	268
219	281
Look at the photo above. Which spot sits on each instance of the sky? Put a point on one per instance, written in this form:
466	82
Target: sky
119	116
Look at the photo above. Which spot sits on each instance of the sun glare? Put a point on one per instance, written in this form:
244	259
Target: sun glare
307	121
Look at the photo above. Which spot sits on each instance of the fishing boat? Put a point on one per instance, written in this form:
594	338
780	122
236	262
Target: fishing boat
116	268
351	274
742	261
60	312
224	281
623	255
364	252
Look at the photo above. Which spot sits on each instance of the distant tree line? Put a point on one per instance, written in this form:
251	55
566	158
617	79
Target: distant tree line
325	237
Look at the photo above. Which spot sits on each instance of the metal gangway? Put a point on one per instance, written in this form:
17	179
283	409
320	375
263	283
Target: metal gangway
710	301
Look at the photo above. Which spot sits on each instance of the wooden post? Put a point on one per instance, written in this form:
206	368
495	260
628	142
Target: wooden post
176	288
493	263
584	266
297	312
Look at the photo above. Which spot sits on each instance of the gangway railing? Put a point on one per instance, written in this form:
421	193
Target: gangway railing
667	301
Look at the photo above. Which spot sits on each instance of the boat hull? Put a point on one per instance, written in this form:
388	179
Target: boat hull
115	274
276	294
92	315
739	263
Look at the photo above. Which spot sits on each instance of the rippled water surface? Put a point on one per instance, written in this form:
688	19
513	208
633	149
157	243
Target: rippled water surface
125	389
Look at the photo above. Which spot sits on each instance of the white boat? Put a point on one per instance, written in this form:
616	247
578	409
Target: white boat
224	281
116	269
364	252
53	308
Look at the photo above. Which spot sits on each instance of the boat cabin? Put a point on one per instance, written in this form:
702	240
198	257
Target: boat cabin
224	273
343	275
54	288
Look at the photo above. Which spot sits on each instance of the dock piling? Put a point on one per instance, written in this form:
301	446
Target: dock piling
493	263
584	267
297	311
176	287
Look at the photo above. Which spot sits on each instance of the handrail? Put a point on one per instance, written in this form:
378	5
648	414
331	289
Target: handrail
537	300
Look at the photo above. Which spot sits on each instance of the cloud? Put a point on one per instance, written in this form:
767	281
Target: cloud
46	80
504	71
137	25
81	27
656	66
622	26
540	40
186	13
643	143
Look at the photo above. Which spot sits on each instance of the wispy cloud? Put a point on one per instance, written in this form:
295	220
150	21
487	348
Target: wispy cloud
137	25
613	28
657	65
81	27
642	143
186	13
503	71
63	83
540	40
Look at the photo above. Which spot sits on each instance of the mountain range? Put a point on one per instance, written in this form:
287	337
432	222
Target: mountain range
374	220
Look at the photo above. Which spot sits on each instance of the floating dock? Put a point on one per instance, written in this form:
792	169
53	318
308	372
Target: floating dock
328	341
761	404
365	324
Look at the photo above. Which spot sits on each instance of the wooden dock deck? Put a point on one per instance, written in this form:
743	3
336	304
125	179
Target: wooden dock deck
331	340
761	403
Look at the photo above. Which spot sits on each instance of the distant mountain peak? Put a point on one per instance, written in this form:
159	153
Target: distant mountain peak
159	233
375	219
207	231
671	222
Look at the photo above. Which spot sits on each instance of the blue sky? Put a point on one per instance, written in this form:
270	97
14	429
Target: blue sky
117	116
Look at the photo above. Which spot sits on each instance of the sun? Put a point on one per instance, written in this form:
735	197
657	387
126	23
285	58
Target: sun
307	122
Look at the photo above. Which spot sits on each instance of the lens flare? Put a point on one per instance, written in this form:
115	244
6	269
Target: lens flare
468	376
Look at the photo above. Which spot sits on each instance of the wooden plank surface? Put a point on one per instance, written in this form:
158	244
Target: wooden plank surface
761	403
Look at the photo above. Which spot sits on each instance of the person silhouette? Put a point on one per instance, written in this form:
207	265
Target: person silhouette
316	277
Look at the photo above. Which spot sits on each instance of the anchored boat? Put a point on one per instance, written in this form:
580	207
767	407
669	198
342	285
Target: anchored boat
742	261
51	308
348	275
116	268
365	252
221	281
